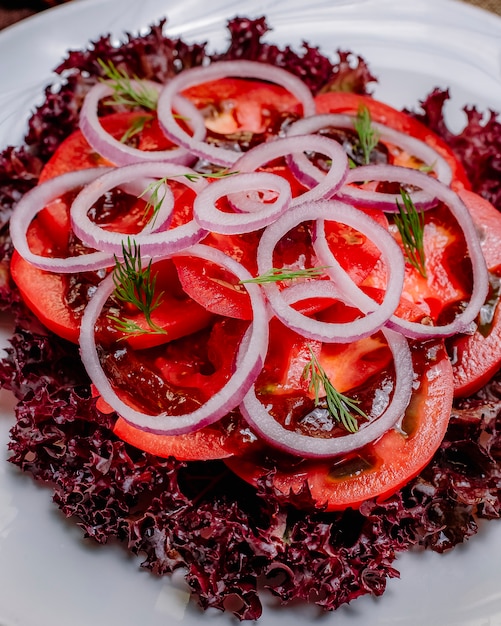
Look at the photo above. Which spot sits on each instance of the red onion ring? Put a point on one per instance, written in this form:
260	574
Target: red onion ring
211	218
275	148
37	199
375	316
249	361
412	145
120	153
464	321
223	69
260	420
152	242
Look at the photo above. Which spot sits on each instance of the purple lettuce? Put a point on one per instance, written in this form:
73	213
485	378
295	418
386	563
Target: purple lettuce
232	539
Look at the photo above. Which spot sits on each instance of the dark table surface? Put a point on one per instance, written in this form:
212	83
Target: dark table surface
12	11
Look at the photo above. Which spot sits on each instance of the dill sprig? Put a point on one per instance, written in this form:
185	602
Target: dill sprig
410	223
155	197
276	275
368	137
217	174
340	406
126	93
153	190
135	285
136	127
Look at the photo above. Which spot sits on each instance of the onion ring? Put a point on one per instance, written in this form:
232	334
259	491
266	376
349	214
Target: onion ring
217	70
375	315
249	362
37	199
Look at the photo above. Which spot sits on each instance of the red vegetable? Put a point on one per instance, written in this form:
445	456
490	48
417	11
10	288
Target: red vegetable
227	535
343	102
379	469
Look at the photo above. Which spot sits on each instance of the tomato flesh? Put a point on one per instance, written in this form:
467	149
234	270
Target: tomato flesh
197	295
344	102
477	357
377	470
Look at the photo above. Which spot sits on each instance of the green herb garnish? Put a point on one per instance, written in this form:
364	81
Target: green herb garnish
340	407
135	285
136	127
126	93
276	275
368	137
410	223
156	197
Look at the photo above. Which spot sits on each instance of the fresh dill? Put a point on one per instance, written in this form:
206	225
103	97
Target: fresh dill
340	406
156	197
128	91
135	285
410	223
368	137
278	274
136	127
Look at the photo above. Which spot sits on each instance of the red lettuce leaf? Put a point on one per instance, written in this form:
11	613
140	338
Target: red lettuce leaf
478	145
232	540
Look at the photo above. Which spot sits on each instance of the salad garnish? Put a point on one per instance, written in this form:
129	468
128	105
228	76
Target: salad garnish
368	137
136	127
128	91
339	405
135	286
278	274
126	433
410	223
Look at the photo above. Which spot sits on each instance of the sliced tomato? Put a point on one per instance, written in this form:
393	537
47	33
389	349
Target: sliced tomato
448	281
207	444
74	153
344	102
197	364
375	471
233	105
46	293
477	357
218	290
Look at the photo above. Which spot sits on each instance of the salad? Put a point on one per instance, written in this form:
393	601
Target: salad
284	381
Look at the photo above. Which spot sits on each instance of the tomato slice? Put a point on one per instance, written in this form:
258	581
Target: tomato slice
377	470
477	357
233	105
207	444
74	153
197	364
344	102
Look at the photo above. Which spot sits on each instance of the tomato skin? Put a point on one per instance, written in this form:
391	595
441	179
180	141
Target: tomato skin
213	287
380	469
237	104
344	102
74	153
207	444
477	357
43	293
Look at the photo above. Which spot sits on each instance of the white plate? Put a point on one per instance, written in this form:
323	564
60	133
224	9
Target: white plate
49	575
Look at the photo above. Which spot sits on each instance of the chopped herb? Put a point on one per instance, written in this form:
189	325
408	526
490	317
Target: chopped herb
136	286
427	169
155	198
125	92
218	174
153	189
410	224
277	274
340	407
136	127
368	137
